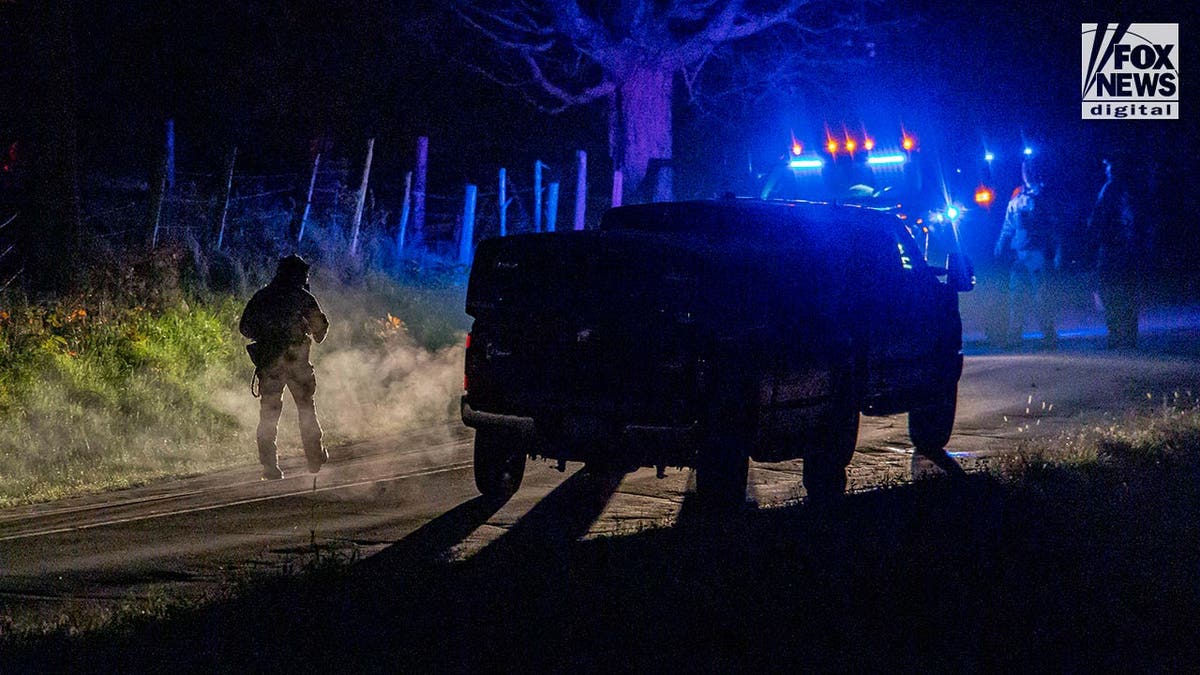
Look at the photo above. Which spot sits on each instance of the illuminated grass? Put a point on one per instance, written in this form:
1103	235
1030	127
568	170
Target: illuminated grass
99	395
1166	434
94	399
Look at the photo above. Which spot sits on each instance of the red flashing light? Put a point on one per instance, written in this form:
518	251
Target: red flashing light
984	196
868	144
832	146
797	148
851	145
908	143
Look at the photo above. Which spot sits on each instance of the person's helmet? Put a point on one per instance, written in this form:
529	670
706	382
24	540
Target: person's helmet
292	269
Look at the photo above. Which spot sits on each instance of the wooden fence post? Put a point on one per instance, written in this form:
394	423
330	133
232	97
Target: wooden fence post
552	206
228	191
362	197
502	202
618	187
418	234
169	147
537	195
312	183
158	204
466	238
404	213
581	190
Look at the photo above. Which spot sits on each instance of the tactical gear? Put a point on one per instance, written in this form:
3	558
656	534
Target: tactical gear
1122	243
1029	235
283	319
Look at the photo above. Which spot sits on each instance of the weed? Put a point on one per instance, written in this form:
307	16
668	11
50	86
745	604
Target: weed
103	391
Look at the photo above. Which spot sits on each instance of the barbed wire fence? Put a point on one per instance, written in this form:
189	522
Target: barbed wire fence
319	211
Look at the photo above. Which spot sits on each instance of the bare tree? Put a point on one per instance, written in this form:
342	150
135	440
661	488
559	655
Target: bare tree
628	53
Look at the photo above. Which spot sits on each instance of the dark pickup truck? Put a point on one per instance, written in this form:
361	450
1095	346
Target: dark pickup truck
707	333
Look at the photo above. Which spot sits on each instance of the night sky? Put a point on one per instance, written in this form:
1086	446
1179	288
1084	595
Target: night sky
273	76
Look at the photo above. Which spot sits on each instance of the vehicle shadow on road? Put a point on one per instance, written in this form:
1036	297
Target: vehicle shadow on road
1068	569
561	518
556	522
433	541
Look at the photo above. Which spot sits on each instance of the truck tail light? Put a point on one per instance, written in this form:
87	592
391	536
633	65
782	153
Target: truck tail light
466	378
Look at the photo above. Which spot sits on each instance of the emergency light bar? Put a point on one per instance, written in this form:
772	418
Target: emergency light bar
796	163
887	159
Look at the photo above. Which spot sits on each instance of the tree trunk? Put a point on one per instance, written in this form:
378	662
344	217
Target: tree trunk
642	131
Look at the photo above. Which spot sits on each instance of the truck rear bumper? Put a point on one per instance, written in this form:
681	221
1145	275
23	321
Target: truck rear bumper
516	424
581	436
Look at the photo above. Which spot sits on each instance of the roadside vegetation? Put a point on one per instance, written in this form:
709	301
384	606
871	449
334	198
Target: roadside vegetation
144	376
1079	553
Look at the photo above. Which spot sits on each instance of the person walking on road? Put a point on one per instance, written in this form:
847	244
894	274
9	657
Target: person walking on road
283	319
1030	234
1117	235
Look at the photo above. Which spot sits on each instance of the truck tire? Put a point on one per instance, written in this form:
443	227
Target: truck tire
499	464
721	472
825	467
930	425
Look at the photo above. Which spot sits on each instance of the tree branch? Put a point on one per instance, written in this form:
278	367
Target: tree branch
750	25
586	96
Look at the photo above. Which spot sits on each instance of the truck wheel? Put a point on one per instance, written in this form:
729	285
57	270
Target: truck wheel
721	471
499	464
930	425
825	468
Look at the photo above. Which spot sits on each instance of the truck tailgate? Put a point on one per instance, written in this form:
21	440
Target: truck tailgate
583	320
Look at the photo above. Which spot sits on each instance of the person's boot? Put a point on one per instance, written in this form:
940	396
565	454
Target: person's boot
316	461
271	472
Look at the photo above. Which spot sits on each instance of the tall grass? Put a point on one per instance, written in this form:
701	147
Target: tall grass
95	398
100	391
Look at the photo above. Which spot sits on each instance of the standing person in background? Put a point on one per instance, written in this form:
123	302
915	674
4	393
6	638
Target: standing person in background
1029	232
1116	233
283	319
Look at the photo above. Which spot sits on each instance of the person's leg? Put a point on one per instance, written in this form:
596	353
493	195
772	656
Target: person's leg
303	385
1042	294
271	405
1112	296
1125	319
1018	296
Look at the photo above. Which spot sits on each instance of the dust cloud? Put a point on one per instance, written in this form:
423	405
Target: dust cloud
363	393
374	377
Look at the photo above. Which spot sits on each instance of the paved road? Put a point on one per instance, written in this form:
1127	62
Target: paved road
202	531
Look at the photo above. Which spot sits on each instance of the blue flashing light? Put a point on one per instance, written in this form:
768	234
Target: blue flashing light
887	159
952	212
796	163
1028	151
989	156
